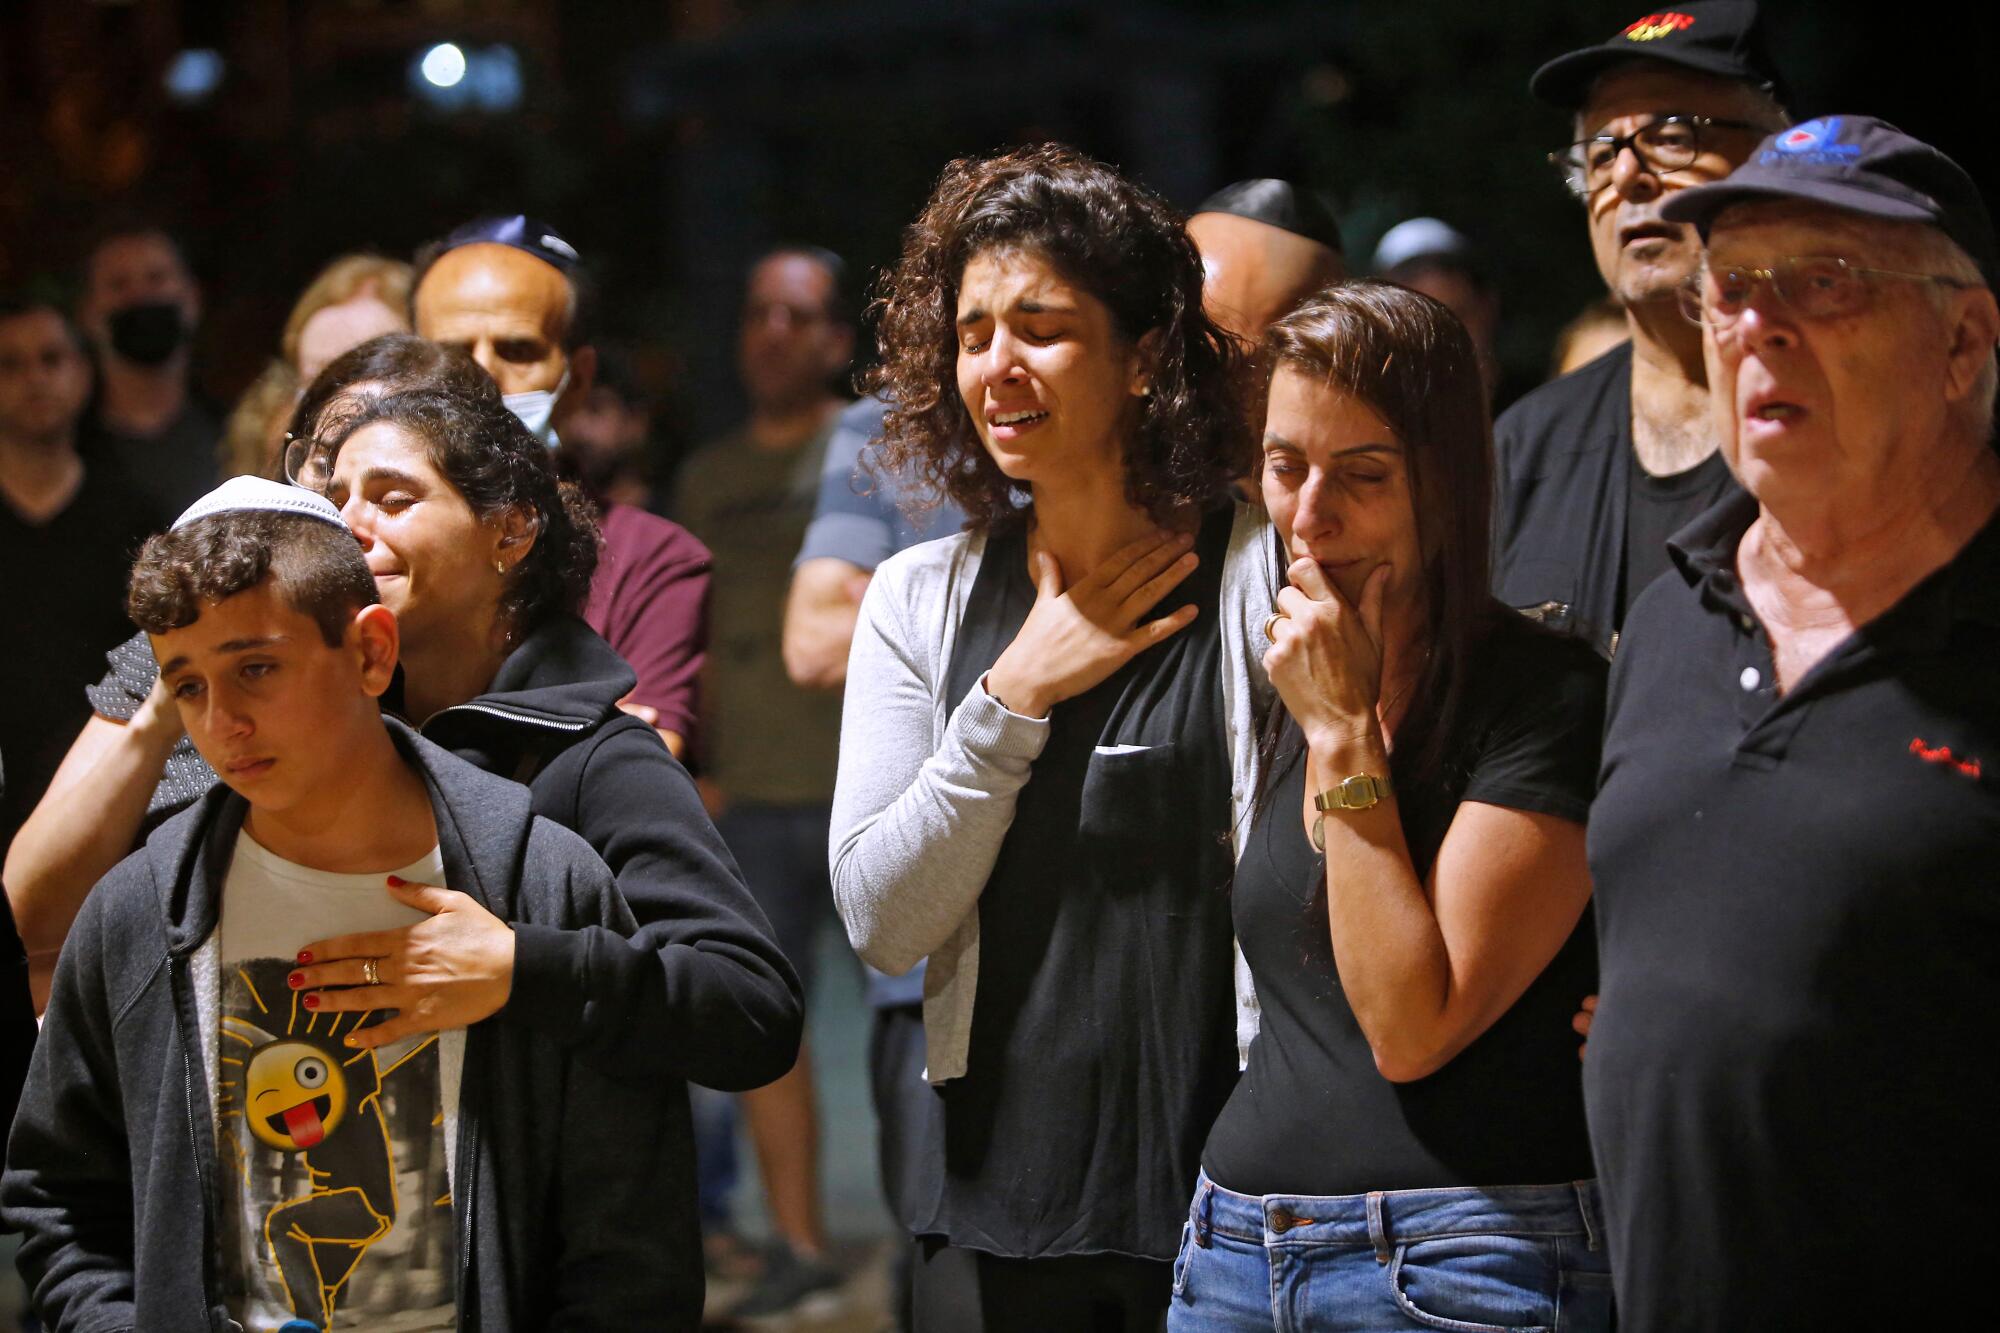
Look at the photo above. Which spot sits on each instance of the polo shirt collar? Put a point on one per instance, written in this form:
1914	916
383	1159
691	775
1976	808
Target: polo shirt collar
1970	583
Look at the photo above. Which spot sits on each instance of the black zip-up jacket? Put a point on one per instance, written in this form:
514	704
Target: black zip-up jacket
702	991
573	1192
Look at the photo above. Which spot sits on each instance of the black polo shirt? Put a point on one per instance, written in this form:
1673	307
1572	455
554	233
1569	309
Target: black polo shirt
1564	484
1794	1076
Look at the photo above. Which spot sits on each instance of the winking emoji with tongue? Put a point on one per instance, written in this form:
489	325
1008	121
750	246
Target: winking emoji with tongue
303	1092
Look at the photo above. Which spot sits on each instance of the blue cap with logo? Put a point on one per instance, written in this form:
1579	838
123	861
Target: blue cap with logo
1720	37
520	231
1860	165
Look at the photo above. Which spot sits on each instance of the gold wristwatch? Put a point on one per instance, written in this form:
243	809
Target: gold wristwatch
1355	793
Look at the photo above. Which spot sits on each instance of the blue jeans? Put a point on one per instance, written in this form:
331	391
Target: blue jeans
1516	1259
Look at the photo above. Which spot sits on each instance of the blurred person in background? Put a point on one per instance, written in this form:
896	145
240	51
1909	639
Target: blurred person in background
1265	246
1431	256
864	515
1595	330
1596	470
69	526
353	299
605	437
139	308
769	746
513	294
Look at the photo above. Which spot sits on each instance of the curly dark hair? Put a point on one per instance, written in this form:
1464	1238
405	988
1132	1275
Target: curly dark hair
479	446
1116	240
314	567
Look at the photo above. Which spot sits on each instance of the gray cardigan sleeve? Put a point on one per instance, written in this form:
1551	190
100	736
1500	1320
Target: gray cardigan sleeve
923	799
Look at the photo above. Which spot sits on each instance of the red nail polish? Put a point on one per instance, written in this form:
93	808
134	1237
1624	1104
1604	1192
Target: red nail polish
305	956
296	980
312	1001
396	881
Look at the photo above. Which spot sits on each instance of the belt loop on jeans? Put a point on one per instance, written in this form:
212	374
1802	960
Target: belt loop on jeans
1586	1204
1378	1227
1204	1213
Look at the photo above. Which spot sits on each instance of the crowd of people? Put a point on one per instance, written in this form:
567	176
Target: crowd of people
1245	767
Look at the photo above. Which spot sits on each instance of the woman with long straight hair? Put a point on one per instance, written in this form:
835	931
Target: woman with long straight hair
1035	787
1406	1148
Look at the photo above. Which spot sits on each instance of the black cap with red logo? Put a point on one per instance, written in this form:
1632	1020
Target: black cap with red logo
1720	37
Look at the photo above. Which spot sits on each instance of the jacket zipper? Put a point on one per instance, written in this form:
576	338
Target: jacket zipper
494	710
462	1192
210	1298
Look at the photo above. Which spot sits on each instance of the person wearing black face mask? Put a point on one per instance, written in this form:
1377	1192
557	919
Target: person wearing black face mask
140	307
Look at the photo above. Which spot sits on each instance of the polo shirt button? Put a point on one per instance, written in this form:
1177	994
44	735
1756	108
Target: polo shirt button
1749	680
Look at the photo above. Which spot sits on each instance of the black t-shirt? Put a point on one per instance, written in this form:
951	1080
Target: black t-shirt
66	609
1103	1029
1311	1114
174	468
1563	462
1793	1068
1658	508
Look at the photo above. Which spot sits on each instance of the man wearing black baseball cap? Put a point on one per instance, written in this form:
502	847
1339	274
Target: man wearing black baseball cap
1790	1078
513	294
1596	470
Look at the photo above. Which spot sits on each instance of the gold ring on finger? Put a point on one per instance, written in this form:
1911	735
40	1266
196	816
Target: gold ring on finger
1271	625
370	972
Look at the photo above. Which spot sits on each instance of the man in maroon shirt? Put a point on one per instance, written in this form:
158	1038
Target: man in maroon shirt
512	293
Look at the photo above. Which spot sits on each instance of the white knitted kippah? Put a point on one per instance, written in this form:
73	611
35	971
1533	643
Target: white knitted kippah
246	493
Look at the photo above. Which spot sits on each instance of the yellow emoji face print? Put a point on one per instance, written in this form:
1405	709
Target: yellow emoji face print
295	1094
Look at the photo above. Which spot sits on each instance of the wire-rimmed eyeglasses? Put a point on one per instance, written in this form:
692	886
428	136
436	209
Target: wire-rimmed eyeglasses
1813	286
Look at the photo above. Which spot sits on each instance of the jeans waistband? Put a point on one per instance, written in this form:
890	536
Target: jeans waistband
1387	1218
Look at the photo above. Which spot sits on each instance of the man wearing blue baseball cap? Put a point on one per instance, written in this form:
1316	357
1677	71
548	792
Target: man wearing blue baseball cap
513	293
1596	470
1790	1077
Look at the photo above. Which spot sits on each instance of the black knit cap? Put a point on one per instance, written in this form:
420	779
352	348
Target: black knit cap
1720	37
1860	165
1282	205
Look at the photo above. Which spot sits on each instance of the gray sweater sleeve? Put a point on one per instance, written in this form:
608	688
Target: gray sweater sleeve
923	799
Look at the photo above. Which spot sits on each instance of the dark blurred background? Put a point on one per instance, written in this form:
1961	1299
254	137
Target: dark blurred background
674	141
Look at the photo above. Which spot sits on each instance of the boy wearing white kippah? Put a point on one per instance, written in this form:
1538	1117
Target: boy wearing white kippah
197	1144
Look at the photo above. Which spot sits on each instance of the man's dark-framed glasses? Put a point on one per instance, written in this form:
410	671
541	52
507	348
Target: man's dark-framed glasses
1813	286
1671	143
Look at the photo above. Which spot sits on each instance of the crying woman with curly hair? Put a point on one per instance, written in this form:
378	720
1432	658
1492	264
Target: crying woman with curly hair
1038	769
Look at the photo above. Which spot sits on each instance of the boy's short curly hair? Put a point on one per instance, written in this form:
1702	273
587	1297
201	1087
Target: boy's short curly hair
1116	240
316	568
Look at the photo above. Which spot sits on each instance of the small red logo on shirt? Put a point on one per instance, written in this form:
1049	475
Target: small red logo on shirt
1655	26
1941	754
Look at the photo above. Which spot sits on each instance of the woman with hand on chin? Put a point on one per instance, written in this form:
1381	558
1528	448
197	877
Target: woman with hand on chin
1406	1148
1035	786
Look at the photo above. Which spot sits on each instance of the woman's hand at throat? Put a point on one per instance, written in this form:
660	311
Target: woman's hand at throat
1325	658
1076	636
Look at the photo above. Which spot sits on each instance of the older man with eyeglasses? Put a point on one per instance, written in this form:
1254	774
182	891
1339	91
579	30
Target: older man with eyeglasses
1796	846
1598	469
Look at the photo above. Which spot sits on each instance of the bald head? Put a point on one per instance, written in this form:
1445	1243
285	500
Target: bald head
509	310
1257	273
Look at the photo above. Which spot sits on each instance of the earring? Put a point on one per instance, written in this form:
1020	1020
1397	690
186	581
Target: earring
500	568
1146	390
